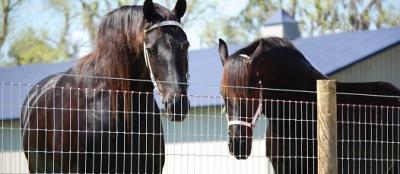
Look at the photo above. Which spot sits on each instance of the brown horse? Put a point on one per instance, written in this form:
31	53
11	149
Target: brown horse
368	125
95	117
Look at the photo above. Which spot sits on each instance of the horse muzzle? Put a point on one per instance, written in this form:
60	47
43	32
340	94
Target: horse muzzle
177	108
240	141
240	147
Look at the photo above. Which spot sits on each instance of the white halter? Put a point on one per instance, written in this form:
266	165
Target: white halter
146	53
244	56
255	116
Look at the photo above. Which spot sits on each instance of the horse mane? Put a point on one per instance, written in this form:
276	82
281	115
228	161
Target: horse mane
117	56
115	51
237	70
268	44
119	45
235	79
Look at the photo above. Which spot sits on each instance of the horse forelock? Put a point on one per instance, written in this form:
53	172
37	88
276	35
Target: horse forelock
236	78
238	72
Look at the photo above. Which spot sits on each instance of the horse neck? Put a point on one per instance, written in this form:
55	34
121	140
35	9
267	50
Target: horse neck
373	88
285	80
144	83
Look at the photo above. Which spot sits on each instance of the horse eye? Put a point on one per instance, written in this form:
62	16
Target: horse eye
151	50
186	44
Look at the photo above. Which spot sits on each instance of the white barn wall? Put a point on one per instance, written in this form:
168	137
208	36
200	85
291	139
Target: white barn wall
384	66
12	160
10	135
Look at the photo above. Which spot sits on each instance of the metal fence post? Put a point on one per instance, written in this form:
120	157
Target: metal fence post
327	127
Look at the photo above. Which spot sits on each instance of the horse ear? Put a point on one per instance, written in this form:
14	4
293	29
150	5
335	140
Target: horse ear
180	8
223	51
256	55
148	10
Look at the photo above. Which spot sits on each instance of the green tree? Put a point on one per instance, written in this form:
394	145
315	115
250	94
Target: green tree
316	17
7	7
30	48
90	16
243	27
63	44
92	13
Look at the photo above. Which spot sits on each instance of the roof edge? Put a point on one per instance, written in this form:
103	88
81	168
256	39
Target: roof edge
364	58
11	119
281	23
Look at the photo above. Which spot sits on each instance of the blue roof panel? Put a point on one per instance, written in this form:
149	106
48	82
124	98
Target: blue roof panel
333	52
16	82
205	69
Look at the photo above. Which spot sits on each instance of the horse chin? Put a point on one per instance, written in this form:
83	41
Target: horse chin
240	148
178	110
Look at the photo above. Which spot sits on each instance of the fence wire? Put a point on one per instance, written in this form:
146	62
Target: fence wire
199	144
284	140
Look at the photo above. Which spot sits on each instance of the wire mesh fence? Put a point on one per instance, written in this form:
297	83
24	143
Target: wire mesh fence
283	141
196	145
369	138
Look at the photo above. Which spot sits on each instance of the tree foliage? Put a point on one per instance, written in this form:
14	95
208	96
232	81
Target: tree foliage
31	48
316	17
7	7
86	13
92	13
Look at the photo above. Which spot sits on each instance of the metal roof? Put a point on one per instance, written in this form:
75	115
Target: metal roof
205	73
14	88
328	54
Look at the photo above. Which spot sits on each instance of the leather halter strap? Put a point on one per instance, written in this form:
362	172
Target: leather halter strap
164	23
255	116
146	53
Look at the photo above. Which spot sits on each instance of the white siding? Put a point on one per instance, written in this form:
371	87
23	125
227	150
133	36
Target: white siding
273	31
384	66
13	162
10	136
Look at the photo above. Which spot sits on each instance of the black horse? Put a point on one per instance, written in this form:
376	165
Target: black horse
368	125
95	117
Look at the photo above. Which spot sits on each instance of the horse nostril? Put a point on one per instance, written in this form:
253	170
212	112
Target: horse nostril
239	147
230	145
178	108
181	106
240	142
243	142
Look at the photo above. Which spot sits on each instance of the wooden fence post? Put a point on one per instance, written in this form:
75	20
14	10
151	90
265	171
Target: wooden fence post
327	127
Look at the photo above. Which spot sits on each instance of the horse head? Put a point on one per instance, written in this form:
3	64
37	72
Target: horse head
264	63
242	97
165	48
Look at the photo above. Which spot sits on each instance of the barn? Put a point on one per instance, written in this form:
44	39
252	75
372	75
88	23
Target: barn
356	56
347	56
360	56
